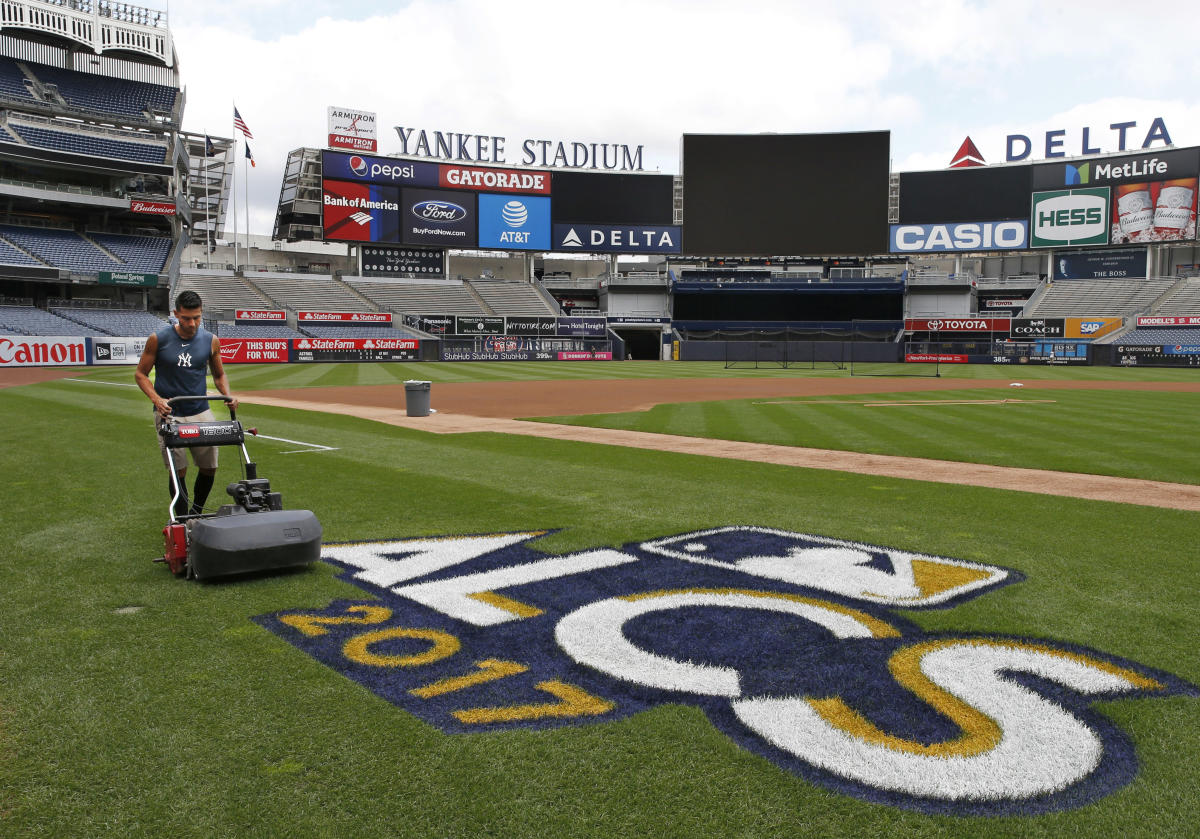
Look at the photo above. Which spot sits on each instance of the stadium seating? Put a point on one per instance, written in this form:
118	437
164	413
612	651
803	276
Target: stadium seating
62	248
1159	335
1184	300
222	292
105	94
126	323
512	298
327	331
28	320
256	330
419	298
1071	298
9	255
140	253
12	81
309	292
88	144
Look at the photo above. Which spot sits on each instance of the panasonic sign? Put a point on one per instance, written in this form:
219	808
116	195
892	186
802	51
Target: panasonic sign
964	236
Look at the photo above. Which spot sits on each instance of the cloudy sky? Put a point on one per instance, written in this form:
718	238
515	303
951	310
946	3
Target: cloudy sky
644	72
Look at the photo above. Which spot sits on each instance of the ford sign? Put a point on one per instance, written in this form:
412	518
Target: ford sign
439	212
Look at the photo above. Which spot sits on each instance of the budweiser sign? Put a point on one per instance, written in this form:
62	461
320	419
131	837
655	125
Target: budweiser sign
346	317
255	315
151	208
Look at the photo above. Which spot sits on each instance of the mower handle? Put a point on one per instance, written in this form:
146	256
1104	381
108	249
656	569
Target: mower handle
217	397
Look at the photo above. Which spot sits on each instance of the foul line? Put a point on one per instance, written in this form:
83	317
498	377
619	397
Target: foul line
912	402
312	447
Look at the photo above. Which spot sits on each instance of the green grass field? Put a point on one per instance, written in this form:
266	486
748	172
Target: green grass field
136	704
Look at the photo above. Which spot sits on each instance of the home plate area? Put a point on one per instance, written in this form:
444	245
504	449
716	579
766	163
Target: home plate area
795	646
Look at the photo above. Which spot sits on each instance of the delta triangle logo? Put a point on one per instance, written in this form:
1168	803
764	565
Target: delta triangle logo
967	156
572	239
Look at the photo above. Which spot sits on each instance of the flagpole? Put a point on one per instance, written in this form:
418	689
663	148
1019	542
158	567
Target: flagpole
246	188
233	194
208	240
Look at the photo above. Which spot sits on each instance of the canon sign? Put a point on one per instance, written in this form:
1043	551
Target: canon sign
966	236
41	352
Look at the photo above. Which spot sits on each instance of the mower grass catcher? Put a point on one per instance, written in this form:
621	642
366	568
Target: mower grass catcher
254	533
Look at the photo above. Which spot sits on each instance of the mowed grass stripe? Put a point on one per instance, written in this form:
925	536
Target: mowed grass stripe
1137	434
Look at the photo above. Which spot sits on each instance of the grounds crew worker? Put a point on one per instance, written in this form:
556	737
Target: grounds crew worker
180	354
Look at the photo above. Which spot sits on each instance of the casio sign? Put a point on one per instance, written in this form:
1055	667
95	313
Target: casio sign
969	236
439	211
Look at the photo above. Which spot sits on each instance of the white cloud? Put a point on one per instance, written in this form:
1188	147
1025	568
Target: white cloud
646	73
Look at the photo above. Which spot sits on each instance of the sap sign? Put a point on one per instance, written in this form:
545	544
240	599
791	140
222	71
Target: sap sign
966	236
608	238
1070	217
514	223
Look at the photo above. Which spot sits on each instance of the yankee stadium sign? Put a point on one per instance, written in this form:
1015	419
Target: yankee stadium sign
796	646
481	148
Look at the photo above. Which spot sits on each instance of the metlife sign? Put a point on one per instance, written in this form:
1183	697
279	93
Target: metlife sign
963	236
607	238
515	223
1069	217
1162	165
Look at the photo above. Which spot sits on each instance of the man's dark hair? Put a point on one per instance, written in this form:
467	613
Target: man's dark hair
188	300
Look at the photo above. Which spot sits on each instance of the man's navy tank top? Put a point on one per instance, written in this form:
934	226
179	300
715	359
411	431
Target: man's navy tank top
181	368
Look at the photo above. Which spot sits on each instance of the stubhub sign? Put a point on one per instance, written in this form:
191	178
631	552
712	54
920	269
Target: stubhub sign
514	222
964	236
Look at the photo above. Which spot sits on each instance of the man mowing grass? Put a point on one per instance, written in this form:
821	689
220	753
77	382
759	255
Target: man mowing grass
179	354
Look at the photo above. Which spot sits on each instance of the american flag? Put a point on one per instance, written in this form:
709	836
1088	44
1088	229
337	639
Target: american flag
240	124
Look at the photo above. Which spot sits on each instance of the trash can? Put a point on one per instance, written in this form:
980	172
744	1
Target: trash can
416	398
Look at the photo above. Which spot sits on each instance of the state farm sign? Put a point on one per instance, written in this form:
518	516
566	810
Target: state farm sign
256	315
151	208
957	324
346	317
20	351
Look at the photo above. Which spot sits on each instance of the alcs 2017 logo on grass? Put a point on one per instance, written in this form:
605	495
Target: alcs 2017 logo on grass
790	643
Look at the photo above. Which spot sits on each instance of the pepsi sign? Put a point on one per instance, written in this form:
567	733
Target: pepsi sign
377	170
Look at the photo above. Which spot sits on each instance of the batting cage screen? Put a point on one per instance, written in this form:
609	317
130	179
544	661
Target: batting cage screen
878	352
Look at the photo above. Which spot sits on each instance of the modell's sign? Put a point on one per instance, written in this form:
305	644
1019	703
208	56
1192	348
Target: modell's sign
151	208
259	315
1177	320
345	317
351	129
957	324
21	351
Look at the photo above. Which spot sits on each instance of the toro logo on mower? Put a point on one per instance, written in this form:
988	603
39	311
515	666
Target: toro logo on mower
796	646
188	431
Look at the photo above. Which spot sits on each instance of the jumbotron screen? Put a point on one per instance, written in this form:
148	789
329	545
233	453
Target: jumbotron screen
604	198
785	194
952	195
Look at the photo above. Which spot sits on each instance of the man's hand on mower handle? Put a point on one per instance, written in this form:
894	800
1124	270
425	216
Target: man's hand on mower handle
161	406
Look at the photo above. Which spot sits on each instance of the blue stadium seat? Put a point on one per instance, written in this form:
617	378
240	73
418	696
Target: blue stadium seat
105	94
89	145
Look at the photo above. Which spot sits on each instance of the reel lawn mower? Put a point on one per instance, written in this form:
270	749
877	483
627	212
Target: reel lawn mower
254	533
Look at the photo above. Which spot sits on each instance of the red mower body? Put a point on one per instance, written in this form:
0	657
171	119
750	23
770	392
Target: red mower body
175	547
